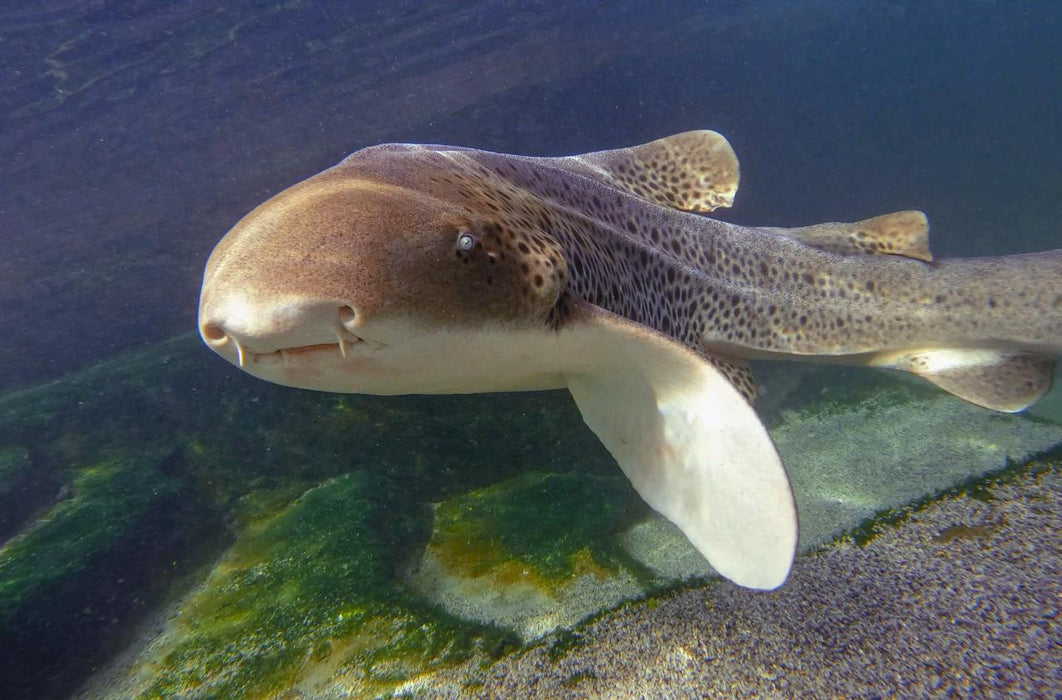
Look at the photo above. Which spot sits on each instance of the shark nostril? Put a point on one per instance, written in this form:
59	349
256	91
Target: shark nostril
347	316
214	333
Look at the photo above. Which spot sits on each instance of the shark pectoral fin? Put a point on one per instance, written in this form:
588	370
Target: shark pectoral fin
689	442
904	233
995	379
691	171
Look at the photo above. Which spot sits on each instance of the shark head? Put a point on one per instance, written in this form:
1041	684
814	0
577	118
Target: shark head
352	283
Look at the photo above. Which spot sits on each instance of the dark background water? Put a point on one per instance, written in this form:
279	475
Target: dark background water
134	133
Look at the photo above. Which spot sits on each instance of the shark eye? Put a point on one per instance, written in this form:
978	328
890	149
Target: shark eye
465	241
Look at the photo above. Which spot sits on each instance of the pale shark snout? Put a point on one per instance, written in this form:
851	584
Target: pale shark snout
238	327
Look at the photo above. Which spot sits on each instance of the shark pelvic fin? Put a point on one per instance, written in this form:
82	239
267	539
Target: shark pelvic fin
691	171
1002	381
738	372
689	442
904	233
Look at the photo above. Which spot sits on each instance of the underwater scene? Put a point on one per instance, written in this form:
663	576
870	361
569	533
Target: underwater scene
739	384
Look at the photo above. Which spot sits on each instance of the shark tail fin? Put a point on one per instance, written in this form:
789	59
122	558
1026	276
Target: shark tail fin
999	380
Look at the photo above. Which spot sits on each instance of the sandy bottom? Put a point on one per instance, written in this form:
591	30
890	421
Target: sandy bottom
963	598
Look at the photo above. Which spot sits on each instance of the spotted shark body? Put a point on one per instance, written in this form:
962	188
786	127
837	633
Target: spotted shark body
436	269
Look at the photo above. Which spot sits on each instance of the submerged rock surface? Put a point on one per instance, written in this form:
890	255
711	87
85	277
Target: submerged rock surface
237	538
960	600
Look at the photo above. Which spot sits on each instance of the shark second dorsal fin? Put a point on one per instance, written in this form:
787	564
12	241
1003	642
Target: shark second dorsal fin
903	233
691	171
690	443
1002	381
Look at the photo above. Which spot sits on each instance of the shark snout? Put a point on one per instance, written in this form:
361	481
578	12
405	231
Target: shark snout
240	326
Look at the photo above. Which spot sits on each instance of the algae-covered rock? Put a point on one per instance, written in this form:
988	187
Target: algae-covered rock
97	559
853	449
341	579
106	500
23	489
537	521
14	466
535	552
237	446
961	600
306	599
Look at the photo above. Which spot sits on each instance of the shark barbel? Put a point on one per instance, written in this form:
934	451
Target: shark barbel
435	269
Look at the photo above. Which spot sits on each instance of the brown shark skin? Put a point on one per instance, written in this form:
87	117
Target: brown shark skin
378	233
736	291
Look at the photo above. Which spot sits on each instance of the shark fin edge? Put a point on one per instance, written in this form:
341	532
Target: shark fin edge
998	380
692	171
903	233
737	371
688	440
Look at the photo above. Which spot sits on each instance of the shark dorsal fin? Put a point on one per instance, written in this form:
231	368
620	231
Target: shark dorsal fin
692	171
903	233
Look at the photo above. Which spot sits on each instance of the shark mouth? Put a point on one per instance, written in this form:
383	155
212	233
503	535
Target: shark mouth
346	343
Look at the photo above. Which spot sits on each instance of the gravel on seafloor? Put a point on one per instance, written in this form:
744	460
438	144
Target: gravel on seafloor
960	600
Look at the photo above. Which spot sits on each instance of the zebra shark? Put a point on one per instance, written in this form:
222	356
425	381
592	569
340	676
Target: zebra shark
437	269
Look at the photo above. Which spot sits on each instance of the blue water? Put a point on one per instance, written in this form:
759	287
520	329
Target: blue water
136	133
133	134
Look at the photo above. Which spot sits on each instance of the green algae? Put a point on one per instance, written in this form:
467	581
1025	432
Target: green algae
14	466
23	489
310	594
228	452
106	503
90	565
238	434
554	525
327	498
